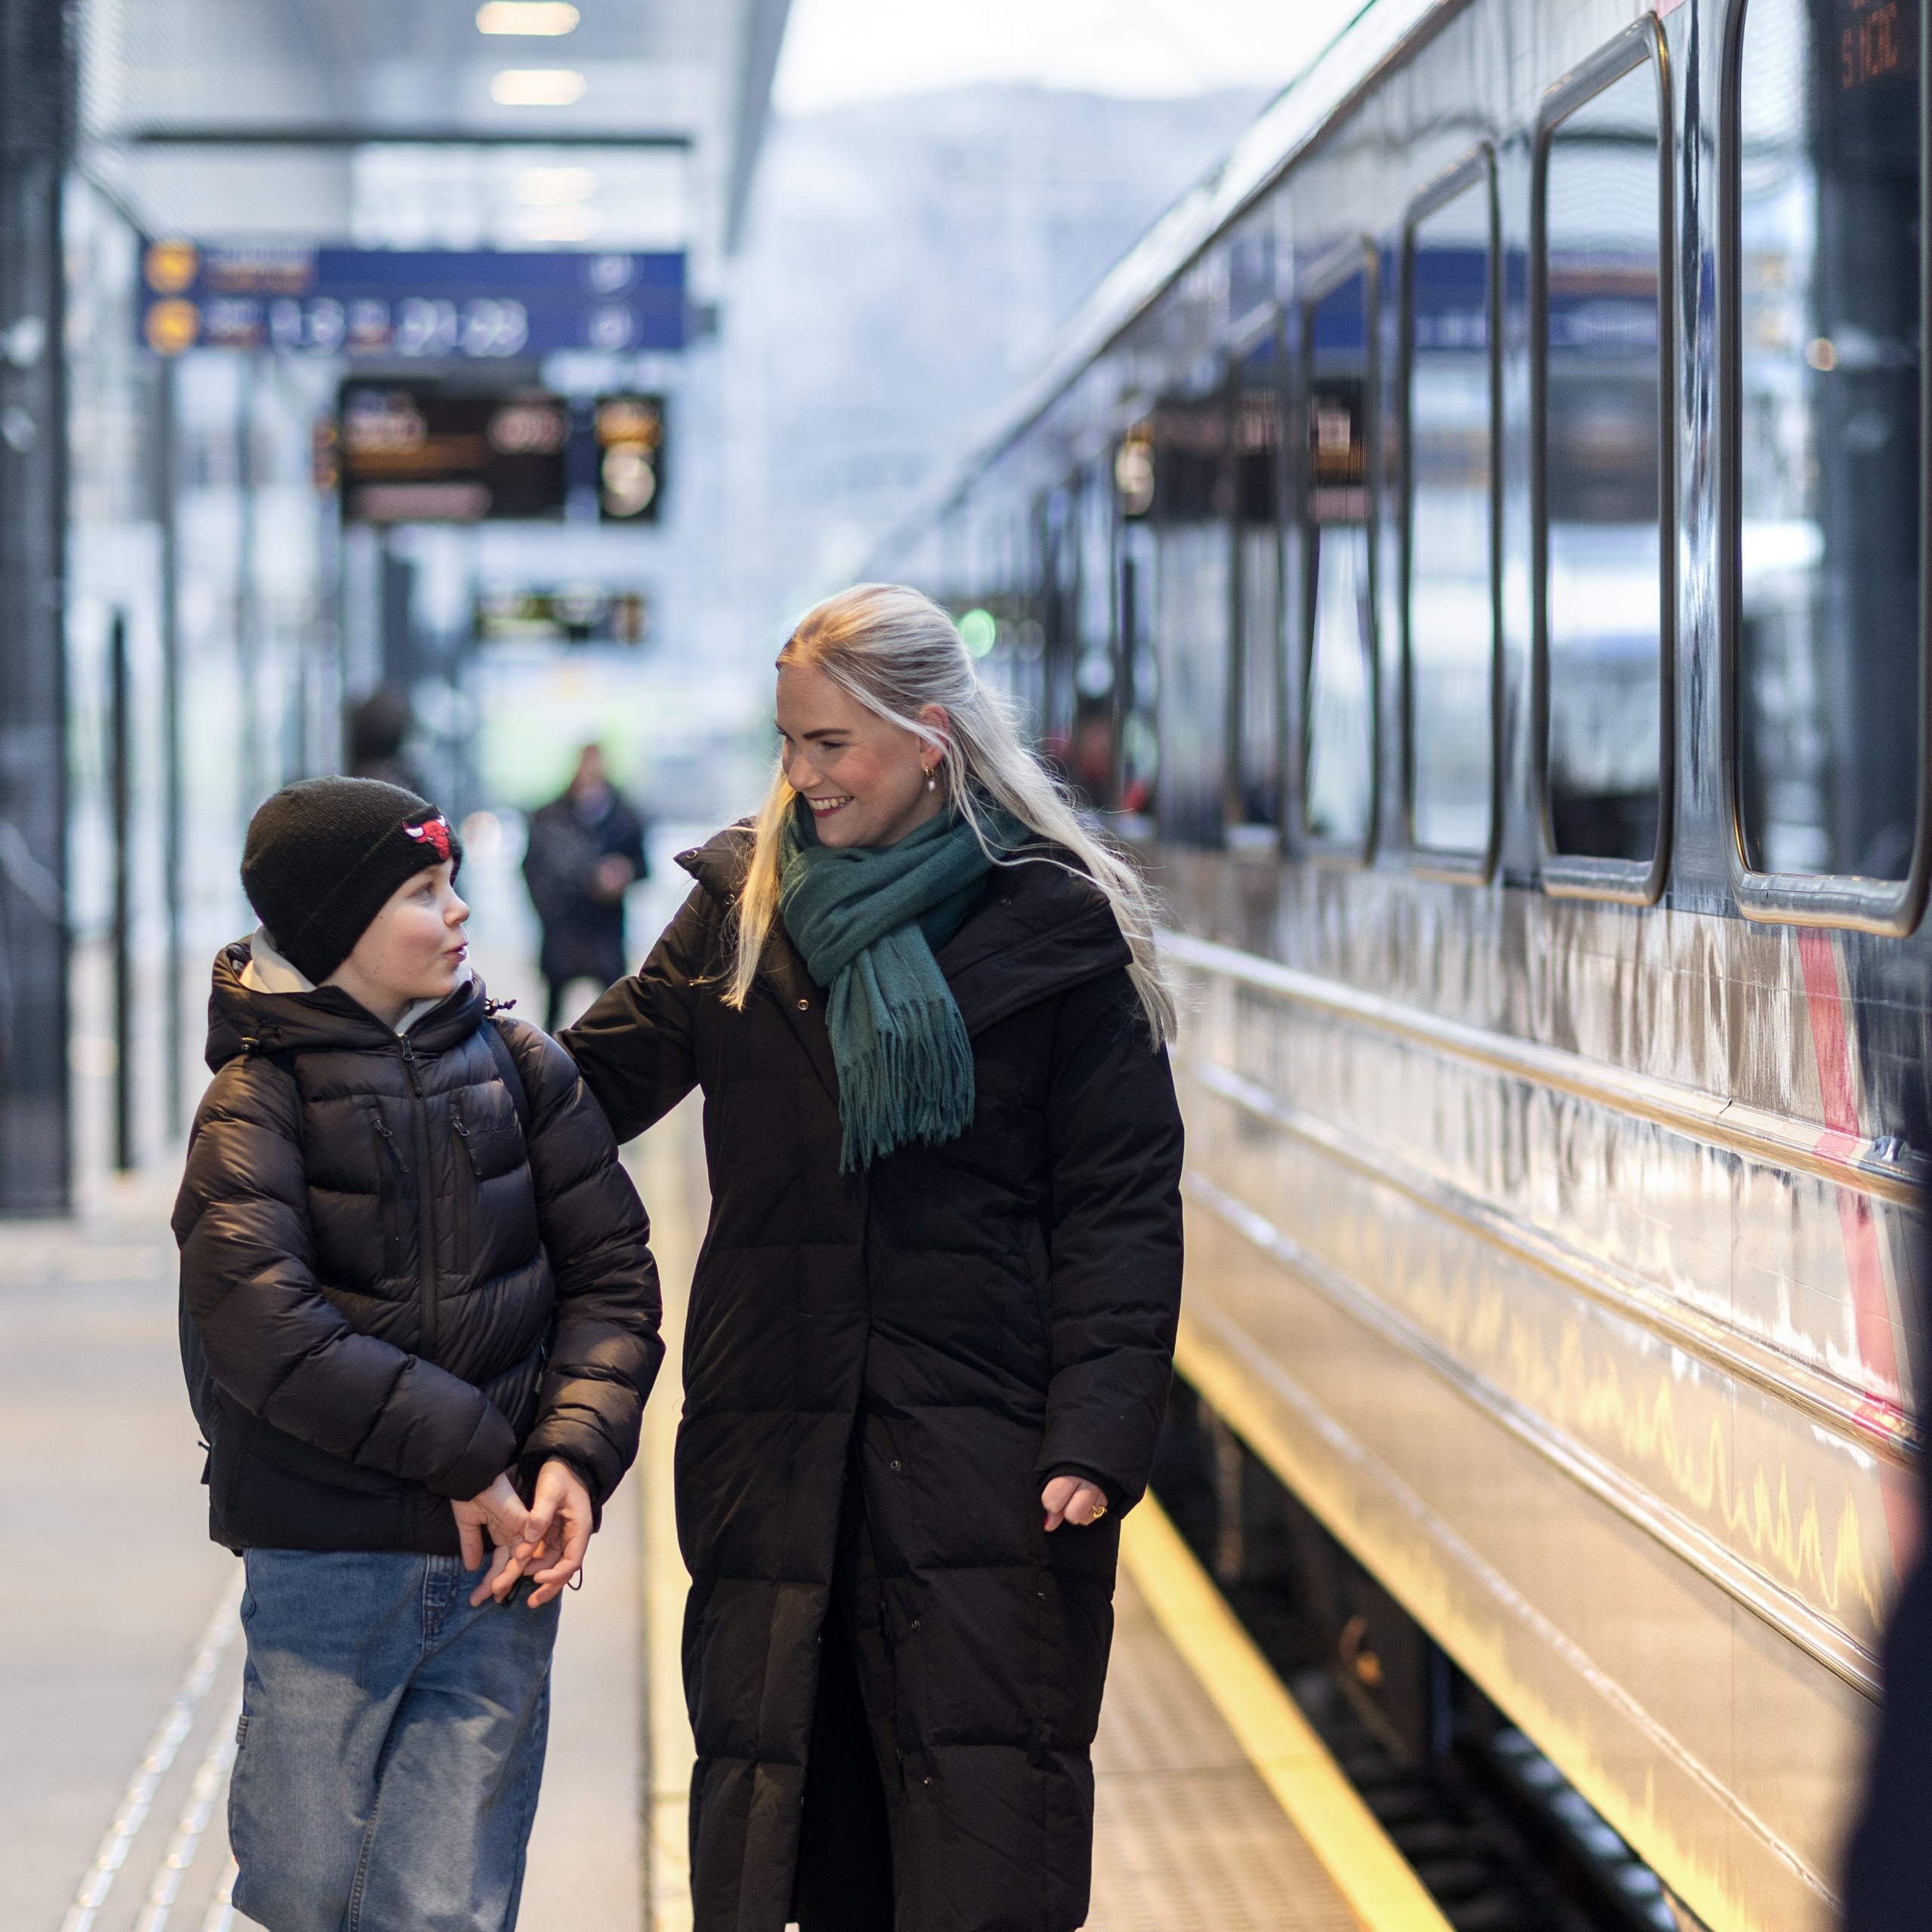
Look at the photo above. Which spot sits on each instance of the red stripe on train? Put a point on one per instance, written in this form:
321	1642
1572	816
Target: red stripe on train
1834	1047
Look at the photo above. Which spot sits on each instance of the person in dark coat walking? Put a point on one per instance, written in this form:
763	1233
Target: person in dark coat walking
586	851
931	1329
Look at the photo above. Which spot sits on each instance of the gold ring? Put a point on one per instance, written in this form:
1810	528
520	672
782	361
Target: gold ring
1100	1510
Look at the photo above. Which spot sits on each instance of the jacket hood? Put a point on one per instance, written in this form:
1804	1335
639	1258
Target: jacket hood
1041	926
239	1017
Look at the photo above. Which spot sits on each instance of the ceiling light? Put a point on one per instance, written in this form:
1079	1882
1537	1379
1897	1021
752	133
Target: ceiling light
525	16
537	86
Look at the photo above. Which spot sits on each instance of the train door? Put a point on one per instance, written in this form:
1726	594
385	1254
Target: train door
1136	669
1450	391
1825	328
1256	678
1603	478
1338	658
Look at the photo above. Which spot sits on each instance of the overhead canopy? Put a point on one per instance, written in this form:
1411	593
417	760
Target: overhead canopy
622	124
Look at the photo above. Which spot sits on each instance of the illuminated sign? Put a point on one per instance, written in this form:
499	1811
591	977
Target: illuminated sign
629	431
429	304
587	615
414	453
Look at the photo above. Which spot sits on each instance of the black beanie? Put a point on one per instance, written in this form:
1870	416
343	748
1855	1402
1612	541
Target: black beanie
323	856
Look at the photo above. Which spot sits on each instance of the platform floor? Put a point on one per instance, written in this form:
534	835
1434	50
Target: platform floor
127	1661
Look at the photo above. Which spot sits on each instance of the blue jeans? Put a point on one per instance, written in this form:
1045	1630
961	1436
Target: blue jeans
391	1745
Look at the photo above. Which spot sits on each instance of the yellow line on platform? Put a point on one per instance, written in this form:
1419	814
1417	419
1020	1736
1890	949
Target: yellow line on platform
1381	1888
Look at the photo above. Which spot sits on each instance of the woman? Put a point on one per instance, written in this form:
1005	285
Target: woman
930	1335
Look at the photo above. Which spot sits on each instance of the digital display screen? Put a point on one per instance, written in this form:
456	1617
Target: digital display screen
414	453
629	431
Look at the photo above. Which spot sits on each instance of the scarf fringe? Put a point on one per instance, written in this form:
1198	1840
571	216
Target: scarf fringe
918	1085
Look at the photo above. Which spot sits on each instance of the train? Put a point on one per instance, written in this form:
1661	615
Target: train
1473	548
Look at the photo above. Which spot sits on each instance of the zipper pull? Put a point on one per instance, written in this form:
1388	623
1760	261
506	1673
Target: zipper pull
382	1127
462	1126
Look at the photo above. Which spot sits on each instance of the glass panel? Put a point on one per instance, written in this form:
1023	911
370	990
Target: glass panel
1829	263
1060	618
1094	667
1603	590
1452	627
1191	613
1257	492
1140	676
1340	787
1340	736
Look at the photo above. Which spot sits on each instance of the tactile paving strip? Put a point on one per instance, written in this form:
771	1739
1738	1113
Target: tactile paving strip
1186	1835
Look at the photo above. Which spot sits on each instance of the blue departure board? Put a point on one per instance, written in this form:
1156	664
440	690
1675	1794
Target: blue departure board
430	305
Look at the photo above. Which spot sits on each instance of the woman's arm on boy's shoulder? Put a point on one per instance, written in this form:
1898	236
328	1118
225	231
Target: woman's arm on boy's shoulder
274	1343
606	1349
636	1047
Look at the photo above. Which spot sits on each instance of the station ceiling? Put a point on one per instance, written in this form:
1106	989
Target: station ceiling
622	124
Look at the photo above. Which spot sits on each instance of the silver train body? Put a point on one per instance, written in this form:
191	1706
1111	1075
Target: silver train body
1510	656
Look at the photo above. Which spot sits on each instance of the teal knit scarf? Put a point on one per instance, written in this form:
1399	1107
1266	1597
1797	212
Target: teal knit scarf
866	920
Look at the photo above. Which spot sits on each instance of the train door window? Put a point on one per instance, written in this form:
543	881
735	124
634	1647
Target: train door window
1137	675
1338	781
1825	328
1026	661
1191	600
1254	695
1451	612
1604	592
1094	712
1060	618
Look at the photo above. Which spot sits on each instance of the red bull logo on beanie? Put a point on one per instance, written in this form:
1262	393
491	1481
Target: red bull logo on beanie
433	832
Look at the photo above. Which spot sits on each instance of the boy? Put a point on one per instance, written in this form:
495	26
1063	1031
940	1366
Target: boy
417	1308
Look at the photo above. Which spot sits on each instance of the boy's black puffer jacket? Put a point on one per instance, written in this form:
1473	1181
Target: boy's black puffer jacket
396	1297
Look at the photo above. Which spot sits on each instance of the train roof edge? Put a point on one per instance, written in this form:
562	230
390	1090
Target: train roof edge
1381	34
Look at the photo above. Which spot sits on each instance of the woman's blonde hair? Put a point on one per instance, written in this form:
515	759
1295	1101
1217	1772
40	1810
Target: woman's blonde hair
896	652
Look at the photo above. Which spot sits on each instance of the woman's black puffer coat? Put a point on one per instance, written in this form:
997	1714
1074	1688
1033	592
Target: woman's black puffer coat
393	1296
961	1320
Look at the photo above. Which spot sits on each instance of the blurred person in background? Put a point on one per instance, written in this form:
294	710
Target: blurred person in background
586	851
375	729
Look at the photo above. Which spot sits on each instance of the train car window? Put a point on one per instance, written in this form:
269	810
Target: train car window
1094	715
1137	673
1826	328
1451	613
1191	608
1604	594
1338	783
1060	616
1026	661
1255	688
1138	689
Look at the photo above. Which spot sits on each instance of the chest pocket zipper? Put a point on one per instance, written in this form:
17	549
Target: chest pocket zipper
466	1199
390	1172
462	1126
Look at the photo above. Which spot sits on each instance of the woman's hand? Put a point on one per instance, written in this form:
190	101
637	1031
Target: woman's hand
499	1510
1068	1499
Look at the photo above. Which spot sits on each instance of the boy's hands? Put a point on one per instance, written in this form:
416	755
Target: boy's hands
499	1510
556	1533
